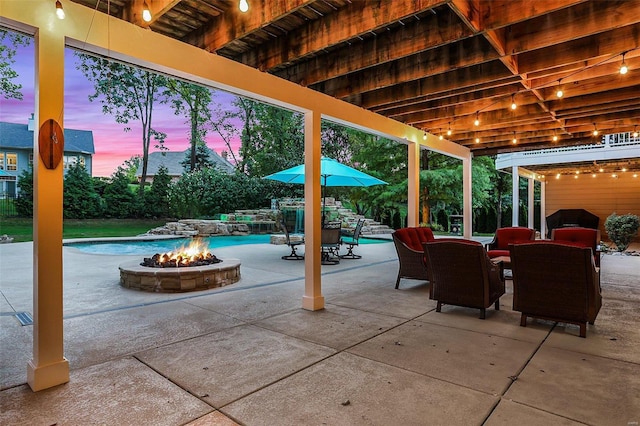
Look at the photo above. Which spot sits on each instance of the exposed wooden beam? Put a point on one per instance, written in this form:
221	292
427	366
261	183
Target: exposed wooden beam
494	14
157	8
448	101
583	20
235	24
355	20
491	74
604	45
467	53
414	37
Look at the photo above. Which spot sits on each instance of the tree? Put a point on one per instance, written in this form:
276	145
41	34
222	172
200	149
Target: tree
272	138
24	202
201	159
157	199
80	200
8	43
129	94
223	122
193	101
386	160
120	202
130	167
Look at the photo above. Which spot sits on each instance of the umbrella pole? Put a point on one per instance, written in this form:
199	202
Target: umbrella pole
324	189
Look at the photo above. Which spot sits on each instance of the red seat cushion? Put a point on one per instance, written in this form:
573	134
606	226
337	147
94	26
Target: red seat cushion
424	234
583	237
498	253
514	235
414	237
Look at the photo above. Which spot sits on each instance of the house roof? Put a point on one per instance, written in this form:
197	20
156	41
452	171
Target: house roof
172	161
18	136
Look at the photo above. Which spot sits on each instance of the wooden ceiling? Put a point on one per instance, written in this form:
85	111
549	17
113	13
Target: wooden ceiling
434	64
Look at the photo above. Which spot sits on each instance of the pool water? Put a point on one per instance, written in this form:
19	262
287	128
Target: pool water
151	247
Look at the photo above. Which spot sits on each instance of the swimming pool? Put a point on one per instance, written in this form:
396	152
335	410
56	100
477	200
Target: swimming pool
150	247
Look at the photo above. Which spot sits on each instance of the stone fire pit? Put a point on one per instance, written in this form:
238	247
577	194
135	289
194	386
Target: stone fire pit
182	279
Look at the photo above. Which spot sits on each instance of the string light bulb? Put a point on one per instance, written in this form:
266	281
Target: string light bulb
513	102
555	138
635	131
243	6
595	130
146	13
514	140
476	122
59	10
623	67
559	92
477	140
449	131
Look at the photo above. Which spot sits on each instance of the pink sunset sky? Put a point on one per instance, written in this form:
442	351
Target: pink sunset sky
112	144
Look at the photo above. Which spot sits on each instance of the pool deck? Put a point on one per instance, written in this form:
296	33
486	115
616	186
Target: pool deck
248	354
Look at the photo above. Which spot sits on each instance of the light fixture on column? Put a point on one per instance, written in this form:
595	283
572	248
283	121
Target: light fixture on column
623	67
243	6
59	10
595	130
449	131
424	136
146	13
513	102
559	92
476	122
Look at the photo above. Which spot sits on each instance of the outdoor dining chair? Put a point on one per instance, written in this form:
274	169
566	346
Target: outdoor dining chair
292	244
352	241
330	243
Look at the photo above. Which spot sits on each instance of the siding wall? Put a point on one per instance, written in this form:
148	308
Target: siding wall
601	195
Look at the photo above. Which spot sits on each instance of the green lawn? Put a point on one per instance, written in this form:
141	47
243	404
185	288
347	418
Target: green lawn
21	229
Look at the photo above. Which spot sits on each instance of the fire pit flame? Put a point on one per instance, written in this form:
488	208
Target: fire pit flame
194	254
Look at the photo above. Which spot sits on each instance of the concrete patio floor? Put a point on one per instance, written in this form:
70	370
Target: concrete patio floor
249	354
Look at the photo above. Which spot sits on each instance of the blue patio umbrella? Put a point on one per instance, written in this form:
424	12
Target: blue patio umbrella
332	173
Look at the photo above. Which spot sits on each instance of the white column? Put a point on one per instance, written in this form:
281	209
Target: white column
48	367
543	210
515	197
530	202
467	198
312	299
413	186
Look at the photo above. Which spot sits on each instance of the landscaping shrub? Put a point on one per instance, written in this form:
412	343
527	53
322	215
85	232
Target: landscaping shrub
81	201
24	201
622	229
120	201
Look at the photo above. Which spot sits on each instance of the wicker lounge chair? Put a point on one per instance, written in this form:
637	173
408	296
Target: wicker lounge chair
557	282
408	243
582	237
352	241
463	275
292	244
499	246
